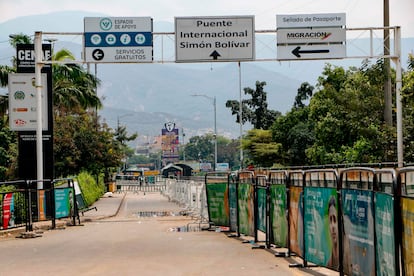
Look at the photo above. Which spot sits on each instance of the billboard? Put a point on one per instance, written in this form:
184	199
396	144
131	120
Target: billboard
170	143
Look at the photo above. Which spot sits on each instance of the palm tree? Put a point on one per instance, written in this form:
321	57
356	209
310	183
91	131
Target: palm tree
73	88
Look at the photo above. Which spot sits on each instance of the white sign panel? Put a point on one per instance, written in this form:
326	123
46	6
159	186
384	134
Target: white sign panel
311	20
118	39
301	52
23	103
210	39
311	35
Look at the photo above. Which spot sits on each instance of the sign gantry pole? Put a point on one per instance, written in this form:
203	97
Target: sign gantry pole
398	98
39	128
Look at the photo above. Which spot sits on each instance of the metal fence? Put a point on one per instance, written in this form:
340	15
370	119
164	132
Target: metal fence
22	203
357	221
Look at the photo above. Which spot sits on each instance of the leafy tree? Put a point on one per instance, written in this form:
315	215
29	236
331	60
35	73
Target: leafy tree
260	147
254	110
82	144
294	130
8	152
347	113
228	151
200	148
408	110
305	91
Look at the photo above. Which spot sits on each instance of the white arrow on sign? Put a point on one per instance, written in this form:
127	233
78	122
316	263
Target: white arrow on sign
98	54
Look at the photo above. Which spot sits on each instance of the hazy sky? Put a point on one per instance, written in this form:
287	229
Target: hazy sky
359	13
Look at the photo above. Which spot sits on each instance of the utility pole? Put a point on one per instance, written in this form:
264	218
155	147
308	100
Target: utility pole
215	124
387	66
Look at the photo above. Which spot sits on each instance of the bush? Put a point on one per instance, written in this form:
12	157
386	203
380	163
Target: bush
91	190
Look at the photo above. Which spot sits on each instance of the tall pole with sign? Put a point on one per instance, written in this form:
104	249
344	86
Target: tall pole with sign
38	76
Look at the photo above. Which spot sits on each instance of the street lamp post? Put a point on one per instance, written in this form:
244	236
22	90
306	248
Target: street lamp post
215	124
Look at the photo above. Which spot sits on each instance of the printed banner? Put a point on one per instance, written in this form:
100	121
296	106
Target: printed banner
358	238
41	200
321	226
218	204
278	219
261	208
407	214
8	210
384	230
233	206
296	220
246	209
63	202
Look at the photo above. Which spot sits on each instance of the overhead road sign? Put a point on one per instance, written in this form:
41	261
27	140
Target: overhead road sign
311	36
207	39
118	39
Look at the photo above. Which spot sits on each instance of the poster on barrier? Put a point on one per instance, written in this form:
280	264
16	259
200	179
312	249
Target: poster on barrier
384	230
246	209
233	206
296	220
358	236
8	210
407	214
261	208
41	201
63	202
218	205
321	226
278	219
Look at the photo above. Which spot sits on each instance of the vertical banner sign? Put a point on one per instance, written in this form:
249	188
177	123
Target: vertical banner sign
246	208
296	220
358	240
24	108
384	230
321	226
218	205
170	143
407	214
233	206
62	202
261	208
278	219
42	204
8	210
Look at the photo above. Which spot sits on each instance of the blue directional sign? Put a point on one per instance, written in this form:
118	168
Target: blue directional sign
118	39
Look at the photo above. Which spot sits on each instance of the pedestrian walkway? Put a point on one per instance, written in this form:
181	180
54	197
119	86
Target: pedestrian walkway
164	248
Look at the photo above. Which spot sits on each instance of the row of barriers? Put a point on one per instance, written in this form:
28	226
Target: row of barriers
23	204
191	195
357	221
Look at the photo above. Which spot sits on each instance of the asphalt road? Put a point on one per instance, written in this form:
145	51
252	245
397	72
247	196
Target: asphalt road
137	241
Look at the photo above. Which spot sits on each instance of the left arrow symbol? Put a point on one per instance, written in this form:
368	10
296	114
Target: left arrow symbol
215	54
98	54
297	51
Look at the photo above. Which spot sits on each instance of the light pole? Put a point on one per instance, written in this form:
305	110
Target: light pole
215	124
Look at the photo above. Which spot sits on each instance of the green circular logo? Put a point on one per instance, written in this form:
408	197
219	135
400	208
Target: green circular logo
105	24
19	95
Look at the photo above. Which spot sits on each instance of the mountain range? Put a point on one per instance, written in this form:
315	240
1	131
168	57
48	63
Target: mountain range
143	97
